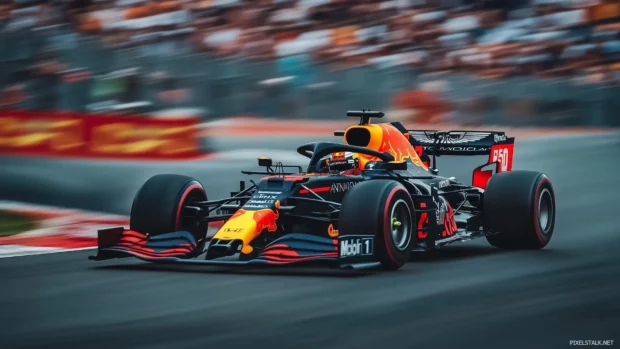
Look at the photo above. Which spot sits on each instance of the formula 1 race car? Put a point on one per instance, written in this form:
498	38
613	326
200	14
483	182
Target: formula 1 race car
368	202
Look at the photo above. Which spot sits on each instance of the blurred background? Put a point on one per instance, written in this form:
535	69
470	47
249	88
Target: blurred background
89	87
518	62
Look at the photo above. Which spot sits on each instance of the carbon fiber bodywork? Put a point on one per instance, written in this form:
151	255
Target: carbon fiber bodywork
293	217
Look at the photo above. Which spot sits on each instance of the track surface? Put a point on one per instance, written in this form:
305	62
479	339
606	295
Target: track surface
468	295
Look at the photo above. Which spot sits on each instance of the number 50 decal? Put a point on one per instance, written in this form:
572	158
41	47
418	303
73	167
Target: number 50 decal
502	153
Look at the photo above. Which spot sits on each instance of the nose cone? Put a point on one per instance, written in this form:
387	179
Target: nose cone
246	225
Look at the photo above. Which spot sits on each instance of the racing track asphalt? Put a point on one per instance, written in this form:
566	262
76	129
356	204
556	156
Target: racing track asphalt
468	295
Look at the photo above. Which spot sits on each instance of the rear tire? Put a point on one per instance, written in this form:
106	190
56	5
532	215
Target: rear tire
520	207
369	207
157	206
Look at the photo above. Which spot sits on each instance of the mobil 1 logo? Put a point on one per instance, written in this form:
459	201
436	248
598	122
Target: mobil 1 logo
356	246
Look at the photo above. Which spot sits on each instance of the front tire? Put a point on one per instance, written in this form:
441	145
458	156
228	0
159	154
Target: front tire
373	207
520	207
158	205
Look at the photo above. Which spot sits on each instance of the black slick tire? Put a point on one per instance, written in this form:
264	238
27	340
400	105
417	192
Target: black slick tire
157	206
369	208
519	207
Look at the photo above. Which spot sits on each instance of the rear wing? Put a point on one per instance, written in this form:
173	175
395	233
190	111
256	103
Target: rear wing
458	142
495	144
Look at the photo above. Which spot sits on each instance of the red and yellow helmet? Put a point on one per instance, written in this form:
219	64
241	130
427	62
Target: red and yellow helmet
343	161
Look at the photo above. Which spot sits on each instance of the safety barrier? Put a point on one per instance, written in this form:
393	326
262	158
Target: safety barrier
69	134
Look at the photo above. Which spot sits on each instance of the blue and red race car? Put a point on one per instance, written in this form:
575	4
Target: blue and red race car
368	202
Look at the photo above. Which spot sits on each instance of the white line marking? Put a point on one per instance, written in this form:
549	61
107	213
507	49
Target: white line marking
10	251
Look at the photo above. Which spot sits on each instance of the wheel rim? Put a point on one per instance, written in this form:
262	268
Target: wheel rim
545	211
193	196
400	224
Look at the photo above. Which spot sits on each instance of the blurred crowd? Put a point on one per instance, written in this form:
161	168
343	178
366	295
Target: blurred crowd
488	38
576	39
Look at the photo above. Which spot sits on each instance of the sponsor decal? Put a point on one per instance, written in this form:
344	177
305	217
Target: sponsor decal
259	206
499	138
444	215
356	246
266	219
337	163
444	184
332	232
440	212
341	187
454	138
271	198
459	149
262	199
258	201
449	222
233	230
338	156
501	156
422	222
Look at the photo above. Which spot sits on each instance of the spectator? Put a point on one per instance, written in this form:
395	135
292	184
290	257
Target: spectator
490	39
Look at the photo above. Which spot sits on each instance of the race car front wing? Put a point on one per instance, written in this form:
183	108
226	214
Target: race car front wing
181	248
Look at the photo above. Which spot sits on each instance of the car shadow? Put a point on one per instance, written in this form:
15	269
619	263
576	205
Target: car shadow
445	254
263	271
454	253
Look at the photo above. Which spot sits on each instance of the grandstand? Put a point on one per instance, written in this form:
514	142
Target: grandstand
577	40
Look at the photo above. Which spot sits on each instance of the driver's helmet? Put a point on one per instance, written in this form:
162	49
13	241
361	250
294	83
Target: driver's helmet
341	161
